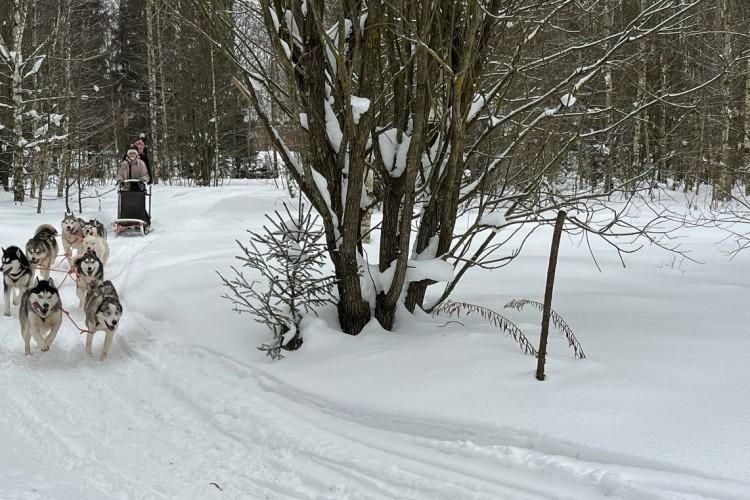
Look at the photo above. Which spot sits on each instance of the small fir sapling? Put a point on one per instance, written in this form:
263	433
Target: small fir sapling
290	256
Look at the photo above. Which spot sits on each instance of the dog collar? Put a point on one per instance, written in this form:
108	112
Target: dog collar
17	276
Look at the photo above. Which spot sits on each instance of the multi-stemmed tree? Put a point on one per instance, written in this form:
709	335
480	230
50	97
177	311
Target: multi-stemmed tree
484	106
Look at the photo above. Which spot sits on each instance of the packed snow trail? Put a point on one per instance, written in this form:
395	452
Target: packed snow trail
164	418
168	421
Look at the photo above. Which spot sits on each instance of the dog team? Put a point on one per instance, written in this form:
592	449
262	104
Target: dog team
26	280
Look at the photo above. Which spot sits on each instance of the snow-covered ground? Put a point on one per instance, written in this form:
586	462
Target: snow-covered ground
187	408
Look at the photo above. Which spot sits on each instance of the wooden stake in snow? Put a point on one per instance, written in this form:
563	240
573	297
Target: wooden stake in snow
542	351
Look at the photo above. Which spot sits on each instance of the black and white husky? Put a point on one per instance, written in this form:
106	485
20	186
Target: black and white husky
41	250
94	228
16	275
89	270
72	234
40	313
103	312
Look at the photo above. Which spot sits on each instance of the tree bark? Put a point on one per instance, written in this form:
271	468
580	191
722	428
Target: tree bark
723	181
19	25
153	106
542	351
215	119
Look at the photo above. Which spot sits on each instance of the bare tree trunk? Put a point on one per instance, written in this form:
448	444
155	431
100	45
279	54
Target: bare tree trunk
62	187
166	167
723	181
153	106
215	119
663	154
44	168
641	120
542	351
35	169
19	24
609	164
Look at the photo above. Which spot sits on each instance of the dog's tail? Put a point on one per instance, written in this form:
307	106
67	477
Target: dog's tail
45	228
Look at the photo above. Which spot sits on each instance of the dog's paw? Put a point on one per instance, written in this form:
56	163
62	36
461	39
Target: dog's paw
45	348
103	357
6	314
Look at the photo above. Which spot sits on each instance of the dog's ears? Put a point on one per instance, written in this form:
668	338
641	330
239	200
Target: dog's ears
37	280
50	281
18	253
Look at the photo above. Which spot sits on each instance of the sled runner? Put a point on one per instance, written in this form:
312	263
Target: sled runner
132	214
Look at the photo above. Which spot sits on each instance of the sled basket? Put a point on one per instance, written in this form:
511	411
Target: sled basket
132	213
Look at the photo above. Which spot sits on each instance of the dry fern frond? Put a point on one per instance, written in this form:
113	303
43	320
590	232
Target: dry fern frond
560	324
455	309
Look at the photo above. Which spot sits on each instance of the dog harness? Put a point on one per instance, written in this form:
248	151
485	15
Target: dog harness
75	236
17	276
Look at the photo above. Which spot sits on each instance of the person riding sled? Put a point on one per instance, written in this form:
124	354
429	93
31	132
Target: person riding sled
132	177
132	167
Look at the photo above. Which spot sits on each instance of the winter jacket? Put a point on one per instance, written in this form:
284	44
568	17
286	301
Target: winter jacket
133	169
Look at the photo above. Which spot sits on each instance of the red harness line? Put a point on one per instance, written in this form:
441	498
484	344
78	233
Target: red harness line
72	274
80	330
69	273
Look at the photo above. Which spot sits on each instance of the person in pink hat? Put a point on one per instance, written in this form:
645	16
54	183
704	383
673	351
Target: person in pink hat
132	167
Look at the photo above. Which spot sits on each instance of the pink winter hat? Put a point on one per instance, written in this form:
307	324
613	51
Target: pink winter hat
139	144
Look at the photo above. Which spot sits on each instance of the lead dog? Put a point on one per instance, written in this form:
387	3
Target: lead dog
17	275
103	312
72	235
40	313
41	250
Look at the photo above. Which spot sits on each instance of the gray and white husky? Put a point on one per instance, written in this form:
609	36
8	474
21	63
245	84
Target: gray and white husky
17	275
41	250
89	270
40	313
72	234
94	228
103	312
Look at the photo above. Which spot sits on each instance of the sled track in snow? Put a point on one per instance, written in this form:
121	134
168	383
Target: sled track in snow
294	442
249	410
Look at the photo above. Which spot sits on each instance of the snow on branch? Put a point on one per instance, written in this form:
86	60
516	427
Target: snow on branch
35	68
4	51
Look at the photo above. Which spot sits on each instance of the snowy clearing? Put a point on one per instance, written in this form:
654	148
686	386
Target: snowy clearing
187	408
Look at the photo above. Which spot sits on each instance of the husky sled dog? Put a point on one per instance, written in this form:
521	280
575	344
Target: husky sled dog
98	245
94	228
105	288
41	250
16	275
72	234
103	312
89	270
40	313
